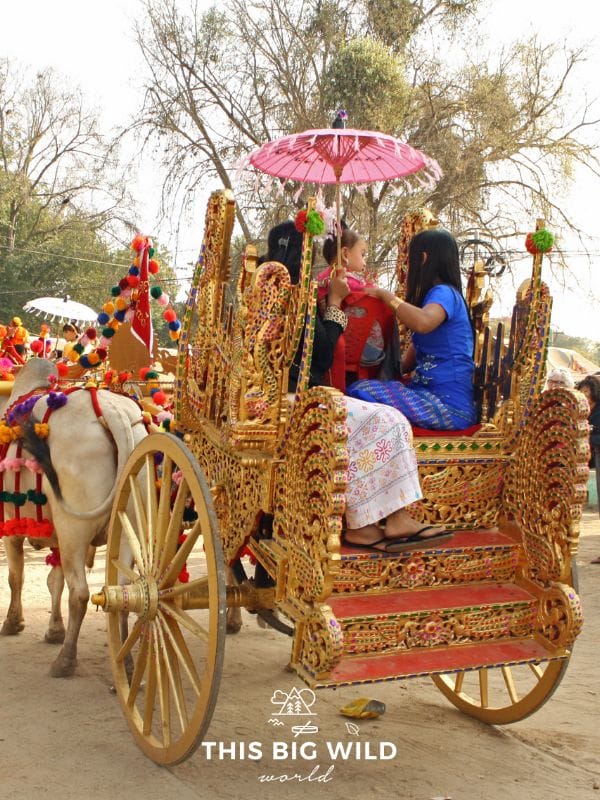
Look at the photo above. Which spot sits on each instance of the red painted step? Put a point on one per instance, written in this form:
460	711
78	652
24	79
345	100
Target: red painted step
411	664
462	540
414	600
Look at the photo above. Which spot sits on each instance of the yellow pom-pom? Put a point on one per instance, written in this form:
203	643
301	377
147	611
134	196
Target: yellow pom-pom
108	308
114	324
174	335
41	430
94	359
136	261
121	303
5	434
73	356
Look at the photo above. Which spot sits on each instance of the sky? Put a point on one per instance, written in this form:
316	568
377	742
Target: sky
92	44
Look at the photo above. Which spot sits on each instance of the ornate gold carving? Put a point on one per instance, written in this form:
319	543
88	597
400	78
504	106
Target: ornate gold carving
462	495
320	643
237	484
560	616
309	496
409	571
447	627
545	483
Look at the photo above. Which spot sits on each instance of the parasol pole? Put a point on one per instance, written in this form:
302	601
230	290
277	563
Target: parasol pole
338	222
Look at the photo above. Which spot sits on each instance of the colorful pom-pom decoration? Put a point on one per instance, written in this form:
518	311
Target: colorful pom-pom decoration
124	376
108	333
36	346
108	308
133	270
539	242
153	266
103	318
175	325
156	292
115	291
309	222
163	301
120	316
91	334
169	315
159	397
78	348
138	242
62	369
102	353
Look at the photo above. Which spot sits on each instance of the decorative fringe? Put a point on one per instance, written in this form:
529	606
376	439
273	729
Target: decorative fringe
27	527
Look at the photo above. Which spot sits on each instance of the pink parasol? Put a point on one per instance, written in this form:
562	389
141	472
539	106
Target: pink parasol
342	155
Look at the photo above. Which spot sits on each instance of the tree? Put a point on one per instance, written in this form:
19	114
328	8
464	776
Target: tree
223	82
63	197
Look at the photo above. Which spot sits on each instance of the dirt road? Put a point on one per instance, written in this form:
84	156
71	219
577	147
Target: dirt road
67	739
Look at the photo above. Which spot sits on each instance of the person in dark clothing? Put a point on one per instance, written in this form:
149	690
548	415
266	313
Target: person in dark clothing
285	246
590	387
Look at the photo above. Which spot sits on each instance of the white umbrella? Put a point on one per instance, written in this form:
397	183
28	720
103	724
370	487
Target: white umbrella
61	309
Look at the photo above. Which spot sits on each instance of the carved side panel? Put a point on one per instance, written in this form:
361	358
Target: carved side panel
309	495
545	483
203	315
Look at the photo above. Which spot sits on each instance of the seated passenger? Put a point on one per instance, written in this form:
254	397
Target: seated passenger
361	351
382	471
440	394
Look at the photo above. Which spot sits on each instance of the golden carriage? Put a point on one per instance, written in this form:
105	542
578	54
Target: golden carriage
490	614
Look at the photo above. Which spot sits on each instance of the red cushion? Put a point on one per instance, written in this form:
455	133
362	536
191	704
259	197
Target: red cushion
454	434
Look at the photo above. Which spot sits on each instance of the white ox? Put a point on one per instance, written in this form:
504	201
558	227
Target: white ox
86	455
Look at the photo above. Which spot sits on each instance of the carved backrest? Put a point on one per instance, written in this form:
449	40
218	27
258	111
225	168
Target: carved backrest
234	357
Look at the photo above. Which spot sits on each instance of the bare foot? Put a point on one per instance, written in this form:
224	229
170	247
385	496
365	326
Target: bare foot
366	535
401	525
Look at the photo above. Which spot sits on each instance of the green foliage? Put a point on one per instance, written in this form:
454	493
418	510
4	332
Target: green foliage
367	80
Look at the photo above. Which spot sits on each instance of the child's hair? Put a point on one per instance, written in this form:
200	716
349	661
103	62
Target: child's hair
70	327
348	239
441	266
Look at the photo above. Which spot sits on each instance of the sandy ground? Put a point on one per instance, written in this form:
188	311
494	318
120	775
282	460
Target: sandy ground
67	738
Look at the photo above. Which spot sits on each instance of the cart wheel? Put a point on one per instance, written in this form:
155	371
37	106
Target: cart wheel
166	650
504	694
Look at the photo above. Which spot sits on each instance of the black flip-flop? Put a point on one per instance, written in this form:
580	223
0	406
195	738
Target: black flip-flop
400	543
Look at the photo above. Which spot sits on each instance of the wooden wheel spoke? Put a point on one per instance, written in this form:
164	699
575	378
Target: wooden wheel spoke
181	650
182	588
132	540
510	684
139	670
180	556
183	618
163	689
483	688
151	505
131	639
124	570
172	667
537	671
458	683
140	517
174	527
150	692
164	507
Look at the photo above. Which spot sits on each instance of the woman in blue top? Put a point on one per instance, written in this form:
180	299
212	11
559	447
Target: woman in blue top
440	394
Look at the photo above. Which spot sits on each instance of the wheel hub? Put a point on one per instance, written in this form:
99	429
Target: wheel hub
139	598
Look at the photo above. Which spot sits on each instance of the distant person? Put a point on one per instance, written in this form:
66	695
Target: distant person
590	387
559	379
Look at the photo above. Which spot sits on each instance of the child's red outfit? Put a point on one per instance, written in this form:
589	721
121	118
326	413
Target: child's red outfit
370	323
